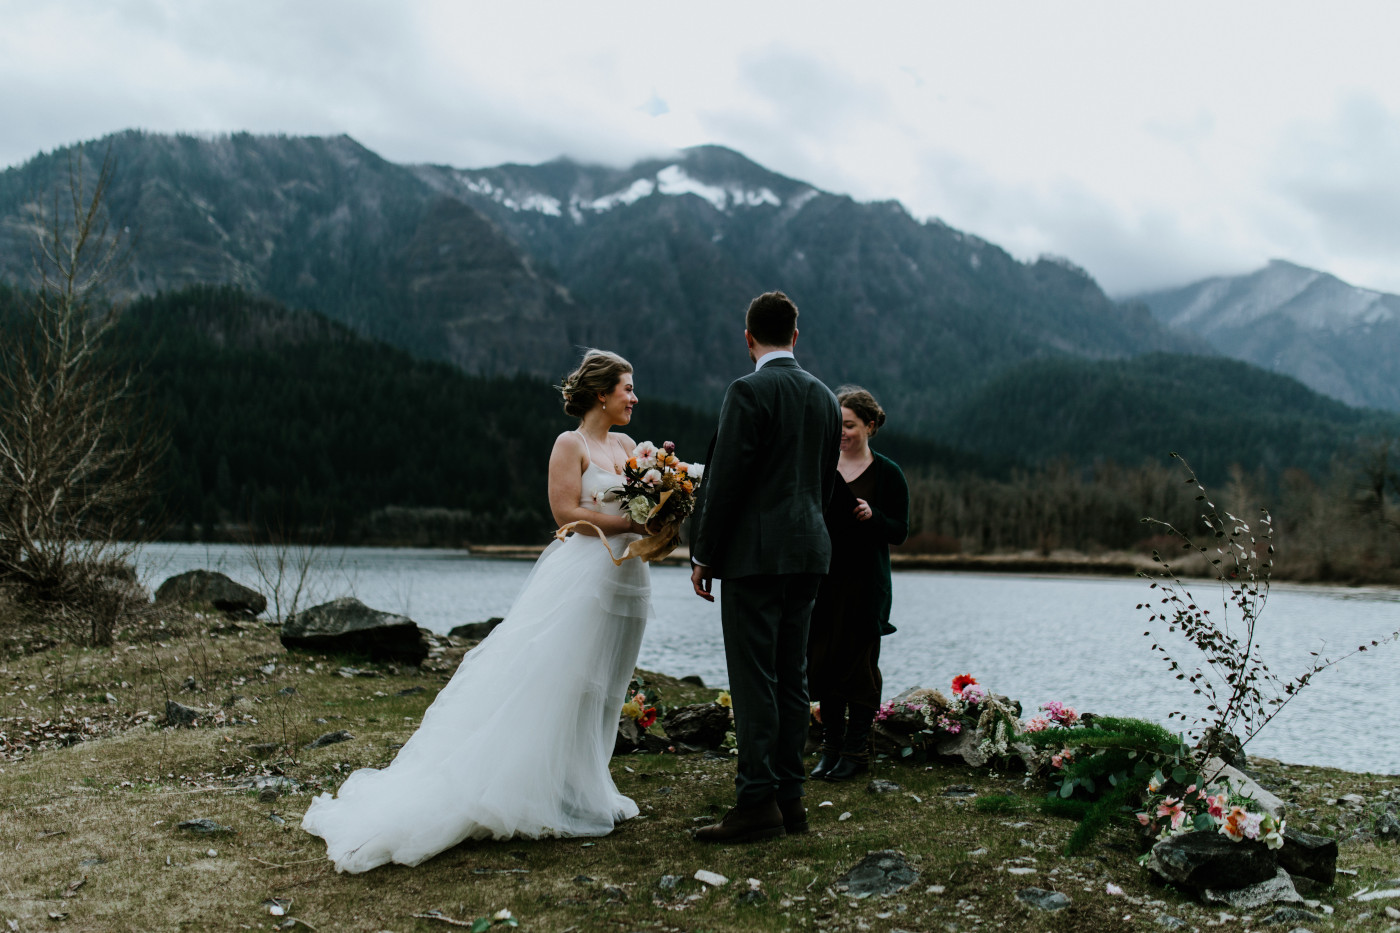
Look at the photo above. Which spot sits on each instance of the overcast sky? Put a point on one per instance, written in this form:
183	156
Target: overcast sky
1153	144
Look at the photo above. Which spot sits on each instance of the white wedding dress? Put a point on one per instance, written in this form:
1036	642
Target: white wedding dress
518	742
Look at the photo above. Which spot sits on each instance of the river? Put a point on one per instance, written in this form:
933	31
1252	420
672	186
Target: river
1078	640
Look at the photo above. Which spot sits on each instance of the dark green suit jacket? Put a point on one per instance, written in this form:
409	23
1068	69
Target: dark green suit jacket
769	476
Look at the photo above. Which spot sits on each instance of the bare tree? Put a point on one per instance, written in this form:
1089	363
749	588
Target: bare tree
76	454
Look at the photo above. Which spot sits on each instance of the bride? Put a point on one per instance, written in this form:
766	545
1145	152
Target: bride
517	744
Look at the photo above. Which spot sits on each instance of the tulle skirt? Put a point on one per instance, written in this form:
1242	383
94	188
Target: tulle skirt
518	742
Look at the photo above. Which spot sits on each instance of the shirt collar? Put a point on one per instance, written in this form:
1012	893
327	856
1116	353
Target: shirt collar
773	355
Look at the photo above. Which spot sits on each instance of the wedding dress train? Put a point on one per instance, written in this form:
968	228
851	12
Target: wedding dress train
518	742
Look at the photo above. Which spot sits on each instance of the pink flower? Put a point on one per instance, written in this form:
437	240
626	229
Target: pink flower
1144	819
973	694
1215	806
1035	724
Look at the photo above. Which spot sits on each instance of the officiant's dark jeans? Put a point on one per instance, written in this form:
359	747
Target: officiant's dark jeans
765	622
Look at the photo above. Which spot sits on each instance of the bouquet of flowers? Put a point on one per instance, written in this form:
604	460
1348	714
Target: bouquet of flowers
1207	809
658	492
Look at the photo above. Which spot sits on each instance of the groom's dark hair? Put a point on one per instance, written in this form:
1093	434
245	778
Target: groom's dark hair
772	319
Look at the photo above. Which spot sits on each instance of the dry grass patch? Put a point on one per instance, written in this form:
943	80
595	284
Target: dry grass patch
90	830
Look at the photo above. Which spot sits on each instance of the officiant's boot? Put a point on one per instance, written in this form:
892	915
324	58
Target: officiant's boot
855	750
745	824
833	714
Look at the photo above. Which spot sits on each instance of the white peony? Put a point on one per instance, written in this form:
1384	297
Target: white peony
646	450
696	471
652	477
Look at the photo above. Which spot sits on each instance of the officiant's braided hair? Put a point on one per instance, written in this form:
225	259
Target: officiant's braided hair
596	375
863	405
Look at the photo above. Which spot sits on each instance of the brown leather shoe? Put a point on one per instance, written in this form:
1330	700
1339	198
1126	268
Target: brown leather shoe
794	816
745	824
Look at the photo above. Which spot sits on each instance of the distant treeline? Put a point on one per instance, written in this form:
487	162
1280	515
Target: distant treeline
283	422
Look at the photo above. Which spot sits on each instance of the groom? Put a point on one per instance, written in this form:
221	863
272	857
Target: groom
760	530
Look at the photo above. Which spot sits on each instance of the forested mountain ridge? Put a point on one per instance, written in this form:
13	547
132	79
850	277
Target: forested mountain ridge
1334	337
512	269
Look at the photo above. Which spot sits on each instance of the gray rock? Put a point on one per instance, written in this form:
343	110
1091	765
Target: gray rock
348	626
177	714
1041	899
287	692
882	787
694	680
1386	828
411	691
1204	859
1215	769
263	749
1309	856
965	745
1276	890
668	882
274	782
1229	749
960	790
204	826
1171	923
879	873
268	795
1291	915
330	738
700	725
629	736
475	631
752	896
208	588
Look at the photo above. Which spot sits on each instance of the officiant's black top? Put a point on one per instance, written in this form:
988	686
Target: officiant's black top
852	609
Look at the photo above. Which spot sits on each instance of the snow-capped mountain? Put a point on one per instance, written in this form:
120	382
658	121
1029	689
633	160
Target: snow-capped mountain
1334	337
513	268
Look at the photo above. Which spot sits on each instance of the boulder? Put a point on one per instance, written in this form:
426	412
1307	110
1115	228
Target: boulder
208	588
1041	899
475	631
177	714
1276	890
1241	783
1195	861
1309	856
330	738
879	873
348	626
700	725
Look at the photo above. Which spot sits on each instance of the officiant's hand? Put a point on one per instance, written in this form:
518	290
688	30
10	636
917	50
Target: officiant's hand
701	579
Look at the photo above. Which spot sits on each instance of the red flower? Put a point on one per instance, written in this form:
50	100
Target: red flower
962	680
648	717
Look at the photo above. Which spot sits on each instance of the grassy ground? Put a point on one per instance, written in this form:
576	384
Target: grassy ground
93	791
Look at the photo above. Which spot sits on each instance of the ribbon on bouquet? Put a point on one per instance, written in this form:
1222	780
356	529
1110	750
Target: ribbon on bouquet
658	543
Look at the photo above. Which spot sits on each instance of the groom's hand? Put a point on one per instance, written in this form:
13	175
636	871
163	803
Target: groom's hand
700	579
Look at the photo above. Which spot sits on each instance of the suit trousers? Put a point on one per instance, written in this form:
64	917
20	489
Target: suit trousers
765	621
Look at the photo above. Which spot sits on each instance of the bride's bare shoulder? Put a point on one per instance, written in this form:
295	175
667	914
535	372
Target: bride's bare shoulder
570	444
626	442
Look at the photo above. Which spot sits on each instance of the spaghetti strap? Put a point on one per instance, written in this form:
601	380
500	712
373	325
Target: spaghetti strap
590	452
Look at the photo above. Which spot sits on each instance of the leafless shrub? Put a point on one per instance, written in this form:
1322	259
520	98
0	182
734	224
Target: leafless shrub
77	455
1242	695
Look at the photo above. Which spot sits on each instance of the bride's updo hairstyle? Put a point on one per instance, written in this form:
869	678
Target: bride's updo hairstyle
863	405
596	375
